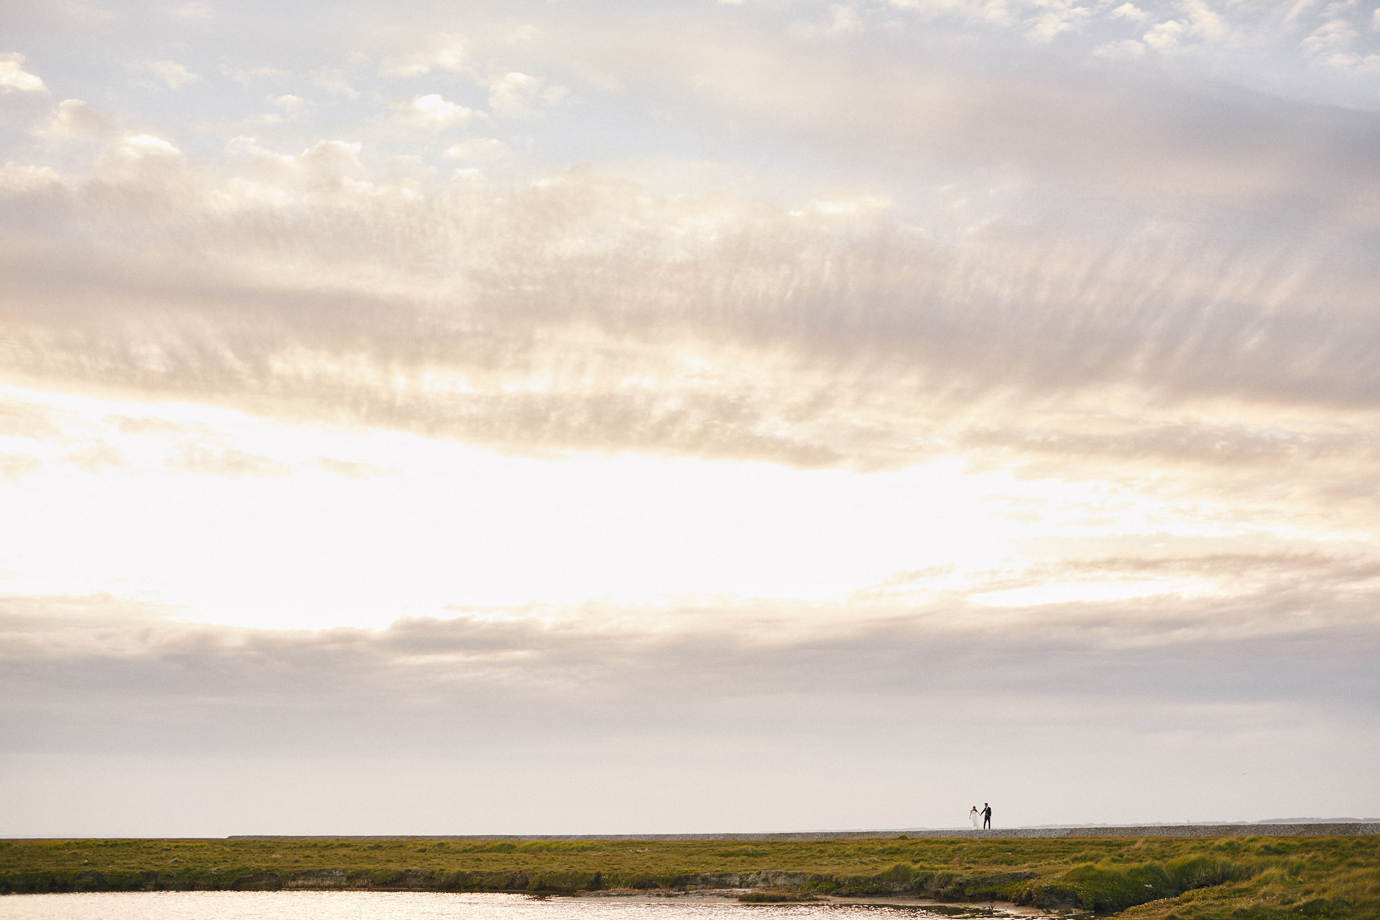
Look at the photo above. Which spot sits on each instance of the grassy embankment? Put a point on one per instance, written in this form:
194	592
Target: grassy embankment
1157	878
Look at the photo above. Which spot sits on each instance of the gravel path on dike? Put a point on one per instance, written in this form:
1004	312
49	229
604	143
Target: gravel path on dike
1321	829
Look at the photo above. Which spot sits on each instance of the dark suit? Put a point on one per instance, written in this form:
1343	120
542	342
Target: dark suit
987	817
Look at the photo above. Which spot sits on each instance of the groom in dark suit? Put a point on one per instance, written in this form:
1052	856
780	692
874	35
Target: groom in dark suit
986	816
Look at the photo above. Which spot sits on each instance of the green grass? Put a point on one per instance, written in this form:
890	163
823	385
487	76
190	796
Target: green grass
1156	878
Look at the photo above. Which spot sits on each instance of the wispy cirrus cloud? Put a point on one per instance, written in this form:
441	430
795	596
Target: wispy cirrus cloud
896	310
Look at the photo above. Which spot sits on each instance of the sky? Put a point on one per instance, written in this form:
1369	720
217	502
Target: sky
687	416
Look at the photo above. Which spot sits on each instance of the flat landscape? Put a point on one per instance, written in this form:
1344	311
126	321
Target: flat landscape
1241	877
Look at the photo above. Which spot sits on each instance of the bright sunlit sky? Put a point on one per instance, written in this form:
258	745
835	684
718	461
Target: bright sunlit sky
687	416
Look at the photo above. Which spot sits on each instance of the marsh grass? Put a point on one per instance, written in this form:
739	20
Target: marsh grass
1160	878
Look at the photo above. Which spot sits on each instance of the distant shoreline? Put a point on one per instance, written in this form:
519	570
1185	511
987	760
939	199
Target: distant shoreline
1310	829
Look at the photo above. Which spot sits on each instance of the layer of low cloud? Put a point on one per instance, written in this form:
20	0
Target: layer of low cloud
567	695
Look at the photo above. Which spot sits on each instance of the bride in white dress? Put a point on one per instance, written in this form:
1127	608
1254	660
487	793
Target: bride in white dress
976	817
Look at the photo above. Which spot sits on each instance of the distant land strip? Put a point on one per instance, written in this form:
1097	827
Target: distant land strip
1312	829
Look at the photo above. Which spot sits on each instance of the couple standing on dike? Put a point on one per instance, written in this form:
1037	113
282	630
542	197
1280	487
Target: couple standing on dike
985	815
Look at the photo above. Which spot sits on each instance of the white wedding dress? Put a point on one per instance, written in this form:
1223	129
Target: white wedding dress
976	817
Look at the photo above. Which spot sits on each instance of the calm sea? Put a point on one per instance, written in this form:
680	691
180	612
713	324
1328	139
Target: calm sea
387	905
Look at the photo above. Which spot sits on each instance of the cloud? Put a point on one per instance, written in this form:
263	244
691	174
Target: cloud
1330	36
15	466
1088	28
479	148
433	111
1142	278
334	81
1205	22
842	18
141	146
292	106
246	77
13	77
28	420
586	313
331	158
203	460
438	51
352	469
1123	49
75	119
475	694
196	12
438	664
144	426
1165	35
1055	19
96	458
518	95
175	75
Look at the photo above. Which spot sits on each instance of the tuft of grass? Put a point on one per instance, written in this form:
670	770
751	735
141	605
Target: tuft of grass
776	896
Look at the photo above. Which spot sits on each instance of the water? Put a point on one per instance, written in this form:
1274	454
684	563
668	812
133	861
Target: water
407	905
